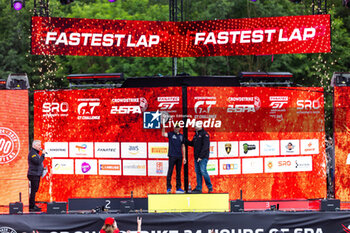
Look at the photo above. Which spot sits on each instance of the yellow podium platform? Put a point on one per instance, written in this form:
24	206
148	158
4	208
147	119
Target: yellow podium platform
216	202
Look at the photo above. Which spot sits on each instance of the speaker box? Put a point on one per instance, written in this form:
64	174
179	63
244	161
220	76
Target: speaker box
16	208
330	204
127	206
56	207
237	206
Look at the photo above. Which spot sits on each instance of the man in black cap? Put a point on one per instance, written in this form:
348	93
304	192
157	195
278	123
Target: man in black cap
176	154
35	171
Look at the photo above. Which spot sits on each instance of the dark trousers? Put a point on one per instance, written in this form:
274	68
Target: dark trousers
34	187
174	161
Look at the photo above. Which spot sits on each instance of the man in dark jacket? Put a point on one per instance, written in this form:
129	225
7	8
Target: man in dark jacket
176	154
35	170
201	145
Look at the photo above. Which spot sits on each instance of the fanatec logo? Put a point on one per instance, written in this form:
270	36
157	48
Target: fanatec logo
168	103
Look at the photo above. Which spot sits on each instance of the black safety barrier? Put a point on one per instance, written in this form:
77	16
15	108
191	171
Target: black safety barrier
245	222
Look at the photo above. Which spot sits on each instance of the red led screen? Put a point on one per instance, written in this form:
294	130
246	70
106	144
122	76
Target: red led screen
270	143
13	146
342	142
107	142
125	38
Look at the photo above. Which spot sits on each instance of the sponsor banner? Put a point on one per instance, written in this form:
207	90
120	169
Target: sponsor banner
107	150
252	166
288	164
133	150
228	37
158	167
309	146
158	150
134	167
341	149
213	150
56	149
86	167
257	222
228	149
270	147
109	167
290	147
212	167
249	148
81	150
14	140
230	166
63	166
256	127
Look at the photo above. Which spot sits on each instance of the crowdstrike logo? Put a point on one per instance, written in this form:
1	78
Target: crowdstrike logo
243	104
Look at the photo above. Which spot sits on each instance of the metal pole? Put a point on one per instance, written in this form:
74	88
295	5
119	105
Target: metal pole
173	16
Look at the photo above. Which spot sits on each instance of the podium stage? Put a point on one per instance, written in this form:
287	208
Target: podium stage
216	202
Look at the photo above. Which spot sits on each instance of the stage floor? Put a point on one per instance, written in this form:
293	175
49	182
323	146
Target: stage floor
284	205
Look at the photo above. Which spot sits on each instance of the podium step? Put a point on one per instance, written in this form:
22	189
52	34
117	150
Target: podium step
216	202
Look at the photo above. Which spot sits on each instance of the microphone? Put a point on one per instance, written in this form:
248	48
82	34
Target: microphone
42	150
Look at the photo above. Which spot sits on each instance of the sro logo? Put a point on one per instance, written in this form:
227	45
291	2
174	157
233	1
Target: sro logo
284	163
308	104
55	107
125	109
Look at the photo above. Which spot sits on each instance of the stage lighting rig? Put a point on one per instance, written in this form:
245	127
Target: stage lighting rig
18	4
17	81
265	79
66	2
340	79
95	80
